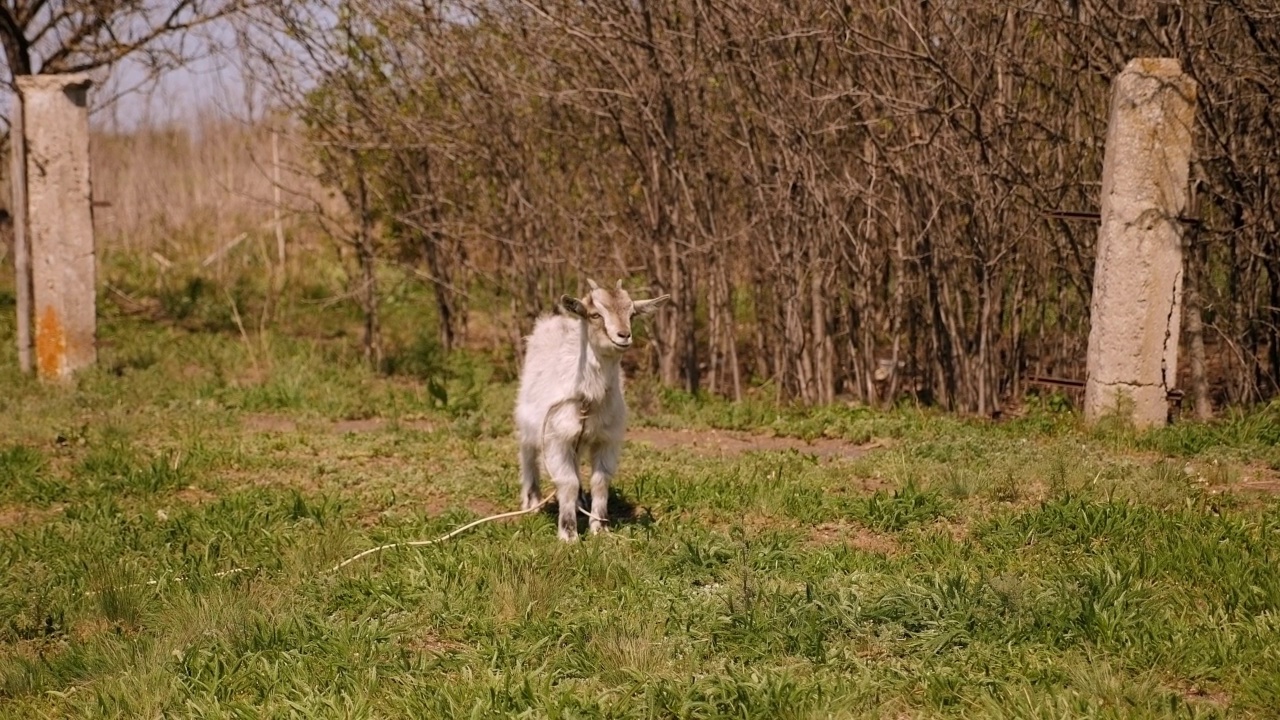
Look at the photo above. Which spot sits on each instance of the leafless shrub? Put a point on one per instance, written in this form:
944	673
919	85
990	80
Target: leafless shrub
843	199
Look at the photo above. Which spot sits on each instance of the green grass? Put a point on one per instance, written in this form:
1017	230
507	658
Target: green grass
1032	568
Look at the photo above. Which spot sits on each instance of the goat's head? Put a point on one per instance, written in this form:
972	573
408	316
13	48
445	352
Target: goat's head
608	314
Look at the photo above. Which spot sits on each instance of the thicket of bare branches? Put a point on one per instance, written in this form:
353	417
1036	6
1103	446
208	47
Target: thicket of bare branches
843	198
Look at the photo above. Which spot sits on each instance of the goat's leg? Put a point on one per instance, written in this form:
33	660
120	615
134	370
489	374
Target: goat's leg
530	494
604	465
562	465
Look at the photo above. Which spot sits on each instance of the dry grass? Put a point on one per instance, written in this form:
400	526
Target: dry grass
184	192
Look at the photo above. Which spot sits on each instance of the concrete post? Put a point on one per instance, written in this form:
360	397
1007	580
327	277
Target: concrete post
60	222
1137	289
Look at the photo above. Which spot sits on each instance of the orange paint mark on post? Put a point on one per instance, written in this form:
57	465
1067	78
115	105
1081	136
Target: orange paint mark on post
51	344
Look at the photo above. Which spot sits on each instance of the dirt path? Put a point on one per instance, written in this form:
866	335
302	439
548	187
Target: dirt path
728	443
713	443
282	424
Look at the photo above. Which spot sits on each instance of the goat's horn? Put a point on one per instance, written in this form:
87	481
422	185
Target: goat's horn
593	284
619	283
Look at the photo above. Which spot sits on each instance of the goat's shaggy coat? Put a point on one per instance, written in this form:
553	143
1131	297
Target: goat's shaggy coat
571	399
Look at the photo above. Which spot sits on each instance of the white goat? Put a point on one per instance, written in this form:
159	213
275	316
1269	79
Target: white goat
571	399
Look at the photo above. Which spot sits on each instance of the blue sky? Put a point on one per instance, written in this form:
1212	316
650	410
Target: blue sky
212	83
125	97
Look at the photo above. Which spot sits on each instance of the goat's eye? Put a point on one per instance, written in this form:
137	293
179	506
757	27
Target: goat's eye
595	316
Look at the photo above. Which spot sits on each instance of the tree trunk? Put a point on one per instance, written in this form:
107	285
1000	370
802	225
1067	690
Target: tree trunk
366	257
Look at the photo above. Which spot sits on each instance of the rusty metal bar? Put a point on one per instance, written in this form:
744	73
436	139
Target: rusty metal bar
1063	382
1080	215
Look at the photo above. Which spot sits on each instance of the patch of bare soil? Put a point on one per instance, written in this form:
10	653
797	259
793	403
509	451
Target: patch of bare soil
1194	694
752	523
729	443
1251	479
859	538
279	424
1261	480
362	425
484	508
12	516
959	532
269	423
192	495
429	642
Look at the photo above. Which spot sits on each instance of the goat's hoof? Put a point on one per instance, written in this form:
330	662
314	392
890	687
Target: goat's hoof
599	527
568	527
530	502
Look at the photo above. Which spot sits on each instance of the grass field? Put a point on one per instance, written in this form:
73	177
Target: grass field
168	525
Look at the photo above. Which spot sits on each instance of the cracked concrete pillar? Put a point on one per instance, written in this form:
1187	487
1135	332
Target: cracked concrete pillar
60	222
1137	288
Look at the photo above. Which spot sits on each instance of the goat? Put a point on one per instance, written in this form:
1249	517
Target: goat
571	399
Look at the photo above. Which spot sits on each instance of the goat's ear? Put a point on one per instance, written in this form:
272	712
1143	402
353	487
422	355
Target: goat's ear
646	307
573	305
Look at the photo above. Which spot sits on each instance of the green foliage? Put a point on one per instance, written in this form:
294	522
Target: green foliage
115	467
25	477
454	383
901	508
424	358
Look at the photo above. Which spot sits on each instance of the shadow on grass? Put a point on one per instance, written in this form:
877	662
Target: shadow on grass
622	511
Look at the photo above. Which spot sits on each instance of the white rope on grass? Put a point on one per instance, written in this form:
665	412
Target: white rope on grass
584	410
442	538
464	528
380	548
